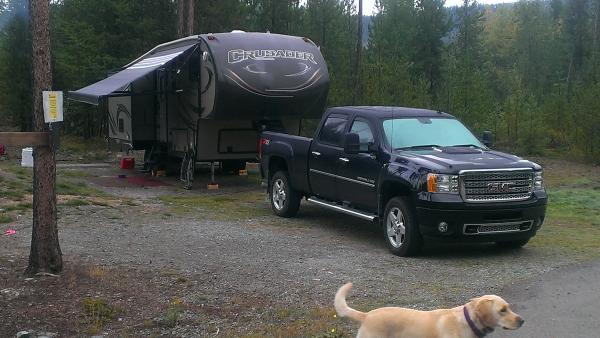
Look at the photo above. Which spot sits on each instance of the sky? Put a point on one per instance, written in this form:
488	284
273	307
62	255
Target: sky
369	5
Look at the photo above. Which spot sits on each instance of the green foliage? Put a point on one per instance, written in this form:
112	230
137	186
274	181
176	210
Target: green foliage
97	313
64	187
15	65
173	312
5	218
528	71
76	202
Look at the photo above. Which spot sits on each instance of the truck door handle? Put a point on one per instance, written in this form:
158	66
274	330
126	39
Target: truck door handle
343	159
316	153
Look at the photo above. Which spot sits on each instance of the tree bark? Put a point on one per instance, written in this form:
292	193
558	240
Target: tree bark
180	18
45	254
359	47
191	18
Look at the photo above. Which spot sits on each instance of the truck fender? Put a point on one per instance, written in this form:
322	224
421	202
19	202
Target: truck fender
396	181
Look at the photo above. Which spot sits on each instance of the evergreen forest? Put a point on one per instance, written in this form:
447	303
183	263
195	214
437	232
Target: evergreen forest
528	71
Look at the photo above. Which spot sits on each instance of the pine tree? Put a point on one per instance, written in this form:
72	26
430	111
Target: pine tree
45	254
431	26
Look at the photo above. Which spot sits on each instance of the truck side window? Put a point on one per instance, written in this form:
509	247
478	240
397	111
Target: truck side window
333	130
365	135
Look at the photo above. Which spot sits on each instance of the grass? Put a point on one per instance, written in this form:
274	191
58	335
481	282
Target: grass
97	272
6	218
241	205
318	322
66	187
97	313
72	173
174	310
573	216
76	202
90	149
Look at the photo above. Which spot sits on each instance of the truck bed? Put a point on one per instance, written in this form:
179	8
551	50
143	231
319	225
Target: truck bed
293	150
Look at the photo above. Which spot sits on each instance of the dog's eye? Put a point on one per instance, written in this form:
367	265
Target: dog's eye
503	309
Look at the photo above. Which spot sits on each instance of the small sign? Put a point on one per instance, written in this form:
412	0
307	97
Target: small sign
53	106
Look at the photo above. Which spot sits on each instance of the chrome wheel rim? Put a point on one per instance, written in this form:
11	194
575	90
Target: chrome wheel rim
278	194
395	226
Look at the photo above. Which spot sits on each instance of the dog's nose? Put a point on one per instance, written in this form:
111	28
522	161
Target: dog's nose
521	321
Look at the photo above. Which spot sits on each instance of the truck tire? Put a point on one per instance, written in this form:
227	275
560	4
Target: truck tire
516	244
400	228
285	200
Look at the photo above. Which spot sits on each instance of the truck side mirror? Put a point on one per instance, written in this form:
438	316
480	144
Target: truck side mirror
487	138
351	143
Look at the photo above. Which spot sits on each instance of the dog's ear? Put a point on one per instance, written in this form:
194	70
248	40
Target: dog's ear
484	308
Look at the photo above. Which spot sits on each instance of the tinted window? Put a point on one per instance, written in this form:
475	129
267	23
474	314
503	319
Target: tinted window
413	132
333	130
365	135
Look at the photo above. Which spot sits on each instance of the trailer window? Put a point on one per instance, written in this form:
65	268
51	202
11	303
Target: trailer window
333	130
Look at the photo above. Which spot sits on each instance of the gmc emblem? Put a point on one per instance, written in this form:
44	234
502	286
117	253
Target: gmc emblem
498	187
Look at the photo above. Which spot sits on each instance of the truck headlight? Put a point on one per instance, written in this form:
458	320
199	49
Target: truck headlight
442	183
538	180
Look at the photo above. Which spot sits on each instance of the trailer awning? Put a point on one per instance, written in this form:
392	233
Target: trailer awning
119	81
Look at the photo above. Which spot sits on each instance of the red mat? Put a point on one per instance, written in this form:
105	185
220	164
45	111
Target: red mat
114	181
144	181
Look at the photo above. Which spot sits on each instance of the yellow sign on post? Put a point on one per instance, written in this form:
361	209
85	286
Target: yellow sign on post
53	106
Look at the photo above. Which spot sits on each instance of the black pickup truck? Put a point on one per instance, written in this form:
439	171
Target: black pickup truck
419	174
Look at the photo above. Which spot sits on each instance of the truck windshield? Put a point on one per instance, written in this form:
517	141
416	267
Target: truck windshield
415	133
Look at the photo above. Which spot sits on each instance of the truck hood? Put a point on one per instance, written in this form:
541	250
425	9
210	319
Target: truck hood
453	160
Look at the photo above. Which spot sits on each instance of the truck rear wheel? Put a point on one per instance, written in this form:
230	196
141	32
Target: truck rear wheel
285	200
400	228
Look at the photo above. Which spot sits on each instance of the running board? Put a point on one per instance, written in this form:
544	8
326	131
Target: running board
345	210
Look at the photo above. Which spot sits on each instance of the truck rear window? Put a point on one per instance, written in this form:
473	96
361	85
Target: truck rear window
333	130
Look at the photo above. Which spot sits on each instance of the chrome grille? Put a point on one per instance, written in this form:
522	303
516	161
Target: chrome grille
494	228
485	186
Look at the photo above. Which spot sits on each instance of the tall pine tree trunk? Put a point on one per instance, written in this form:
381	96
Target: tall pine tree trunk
180	18
45	255
191	18
359	47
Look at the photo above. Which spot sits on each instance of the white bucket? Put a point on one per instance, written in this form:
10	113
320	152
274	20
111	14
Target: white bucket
27	157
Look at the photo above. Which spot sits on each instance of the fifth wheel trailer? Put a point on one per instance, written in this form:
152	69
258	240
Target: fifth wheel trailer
207	97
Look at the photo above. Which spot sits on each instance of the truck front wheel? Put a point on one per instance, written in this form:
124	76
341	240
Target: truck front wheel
285	200
400	228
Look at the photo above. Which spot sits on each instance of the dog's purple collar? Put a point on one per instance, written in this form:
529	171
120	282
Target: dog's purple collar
479	333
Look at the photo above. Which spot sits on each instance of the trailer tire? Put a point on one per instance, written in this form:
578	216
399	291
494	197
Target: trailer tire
284	199
400	228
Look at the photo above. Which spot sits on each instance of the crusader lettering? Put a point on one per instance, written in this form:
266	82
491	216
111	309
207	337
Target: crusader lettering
239	55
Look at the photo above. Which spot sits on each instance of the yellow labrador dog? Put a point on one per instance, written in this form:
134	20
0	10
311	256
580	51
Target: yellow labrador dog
477	318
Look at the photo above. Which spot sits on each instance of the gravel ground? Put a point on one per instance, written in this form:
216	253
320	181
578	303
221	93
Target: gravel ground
261	263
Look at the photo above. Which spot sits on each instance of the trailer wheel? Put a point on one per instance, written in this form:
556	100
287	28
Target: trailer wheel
285	200
400	228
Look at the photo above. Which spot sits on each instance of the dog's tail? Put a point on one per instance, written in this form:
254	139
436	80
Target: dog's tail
342	309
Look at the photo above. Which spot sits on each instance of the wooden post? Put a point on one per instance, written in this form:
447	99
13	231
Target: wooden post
34	139
45	254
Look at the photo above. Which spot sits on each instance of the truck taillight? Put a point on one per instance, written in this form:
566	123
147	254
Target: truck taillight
263	141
